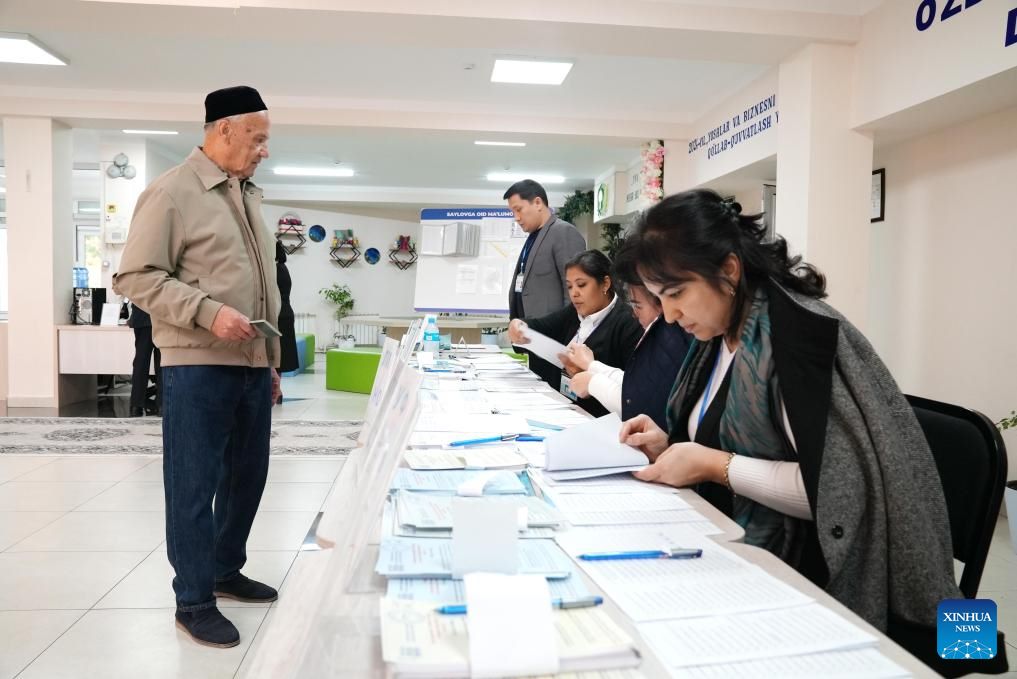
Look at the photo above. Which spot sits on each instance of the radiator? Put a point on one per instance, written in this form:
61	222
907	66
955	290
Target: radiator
361	332
305	323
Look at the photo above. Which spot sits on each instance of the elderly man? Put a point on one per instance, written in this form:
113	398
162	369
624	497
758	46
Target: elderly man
201	261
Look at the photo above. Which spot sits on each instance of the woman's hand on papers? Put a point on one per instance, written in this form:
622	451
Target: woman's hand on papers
577	359
580	384
643	433
685	464
515	331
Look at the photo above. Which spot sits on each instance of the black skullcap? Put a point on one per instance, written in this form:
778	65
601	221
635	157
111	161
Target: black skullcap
231	101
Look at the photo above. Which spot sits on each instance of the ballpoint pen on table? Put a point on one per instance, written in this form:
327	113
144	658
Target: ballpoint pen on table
670	553
584	602
495	439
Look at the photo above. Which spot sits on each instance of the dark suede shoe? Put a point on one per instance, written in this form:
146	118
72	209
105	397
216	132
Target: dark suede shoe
209	627
243	588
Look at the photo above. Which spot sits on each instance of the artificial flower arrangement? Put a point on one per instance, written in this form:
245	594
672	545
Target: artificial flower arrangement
653	170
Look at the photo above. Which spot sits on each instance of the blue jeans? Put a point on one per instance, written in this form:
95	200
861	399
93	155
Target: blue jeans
216	423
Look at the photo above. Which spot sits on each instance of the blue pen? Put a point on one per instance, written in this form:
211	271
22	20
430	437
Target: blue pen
674	553
528	437
584	602
486	439
437	370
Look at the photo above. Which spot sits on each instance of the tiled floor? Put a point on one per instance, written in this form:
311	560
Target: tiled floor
85	585
84	580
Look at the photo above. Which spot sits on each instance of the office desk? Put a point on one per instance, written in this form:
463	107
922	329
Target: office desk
96	350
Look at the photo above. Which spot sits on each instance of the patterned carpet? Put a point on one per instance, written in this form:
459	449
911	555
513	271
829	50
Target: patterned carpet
111	436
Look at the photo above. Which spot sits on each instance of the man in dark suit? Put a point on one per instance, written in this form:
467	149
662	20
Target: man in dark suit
538	281
141	322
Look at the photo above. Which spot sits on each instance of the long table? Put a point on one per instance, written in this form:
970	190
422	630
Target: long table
353	626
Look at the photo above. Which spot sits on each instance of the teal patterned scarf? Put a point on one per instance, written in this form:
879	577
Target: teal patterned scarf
751	424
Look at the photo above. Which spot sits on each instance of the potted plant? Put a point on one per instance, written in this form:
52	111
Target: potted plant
577	204
342	298
382	335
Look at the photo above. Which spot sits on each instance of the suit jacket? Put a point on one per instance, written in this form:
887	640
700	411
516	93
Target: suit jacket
612	343
544	284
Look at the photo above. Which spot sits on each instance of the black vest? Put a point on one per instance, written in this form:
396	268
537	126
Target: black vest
651	372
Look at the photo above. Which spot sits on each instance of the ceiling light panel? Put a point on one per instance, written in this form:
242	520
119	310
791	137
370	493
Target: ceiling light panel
530	72
21	48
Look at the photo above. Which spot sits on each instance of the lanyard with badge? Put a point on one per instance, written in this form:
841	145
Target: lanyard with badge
522	264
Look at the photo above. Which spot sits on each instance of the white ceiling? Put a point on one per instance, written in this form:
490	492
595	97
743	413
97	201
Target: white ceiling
389	86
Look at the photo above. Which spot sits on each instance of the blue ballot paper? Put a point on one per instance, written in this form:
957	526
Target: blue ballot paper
423	558
453	592
449	481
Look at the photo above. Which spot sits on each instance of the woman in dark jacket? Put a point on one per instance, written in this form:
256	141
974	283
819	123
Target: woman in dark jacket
644	387
784	417
288	341
597	317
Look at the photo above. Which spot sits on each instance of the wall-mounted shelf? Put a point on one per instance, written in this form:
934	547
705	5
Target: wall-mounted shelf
404	258
344	254
289	233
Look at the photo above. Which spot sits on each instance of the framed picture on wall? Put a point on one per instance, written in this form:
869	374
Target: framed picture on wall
877	209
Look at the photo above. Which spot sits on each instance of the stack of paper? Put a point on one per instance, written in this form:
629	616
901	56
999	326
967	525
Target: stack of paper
478	424
441	592
753	636
449	481
866	663
719	582
418	558
591	449
432	511
487	457
418	642
391	528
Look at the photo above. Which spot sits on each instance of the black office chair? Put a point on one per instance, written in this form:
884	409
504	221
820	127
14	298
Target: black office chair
971	459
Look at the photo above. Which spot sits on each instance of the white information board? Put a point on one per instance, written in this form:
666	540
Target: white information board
478	284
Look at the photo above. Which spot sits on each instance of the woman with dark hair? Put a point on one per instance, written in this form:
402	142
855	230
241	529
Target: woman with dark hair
645	385
784	417
287	319
595	318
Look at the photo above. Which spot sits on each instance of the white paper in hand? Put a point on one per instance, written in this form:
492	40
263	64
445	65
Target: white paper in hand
592	445
543	346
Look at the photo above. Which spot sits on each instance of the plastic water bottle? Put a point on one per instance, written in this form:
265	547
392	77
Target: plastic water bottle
432	339
80	277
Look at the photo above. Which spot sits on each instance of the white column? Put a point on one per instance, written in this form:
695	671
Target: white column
40	252
119	195
824	171
677	167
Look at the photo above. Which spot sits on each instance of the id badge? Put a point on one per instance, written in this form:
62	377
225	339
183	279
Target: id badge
519	282
566	388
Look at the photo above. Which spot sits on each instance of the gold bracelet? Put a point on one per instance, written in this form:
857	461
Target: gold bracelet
727	471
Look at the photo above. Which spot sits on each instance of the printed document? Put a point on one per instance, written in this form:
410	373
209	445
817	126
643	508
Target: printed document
592	445
752	636
421	558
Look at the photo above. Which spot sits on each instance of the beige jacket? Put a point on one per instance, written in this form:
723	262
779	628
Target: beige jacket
197	241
